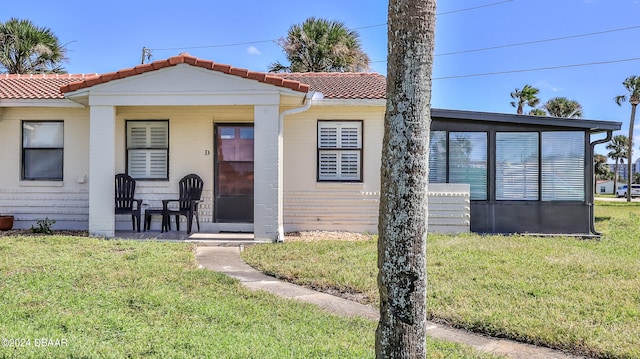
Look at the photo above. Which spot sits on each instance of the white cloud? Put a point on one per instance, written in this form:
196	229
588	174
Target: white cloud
546	85
252	50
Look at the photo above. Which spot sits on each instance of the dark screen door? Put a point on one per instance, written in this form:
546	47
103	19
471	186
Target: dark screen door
233	164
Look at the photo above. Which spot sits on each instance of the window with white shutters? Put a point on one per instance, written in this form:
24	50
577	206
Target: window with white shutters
340	151
148	149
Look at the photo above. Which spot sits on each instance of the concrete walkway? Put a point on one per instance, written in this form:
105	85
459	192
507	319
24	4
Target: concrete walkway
227	260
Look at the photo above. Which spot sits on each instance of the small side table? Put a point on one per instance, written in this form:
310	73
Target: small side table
155	212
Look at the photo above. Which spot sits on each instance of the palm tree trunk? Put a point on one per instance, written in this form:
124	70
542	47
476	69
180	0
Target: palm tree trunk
615	176
630	151
402	222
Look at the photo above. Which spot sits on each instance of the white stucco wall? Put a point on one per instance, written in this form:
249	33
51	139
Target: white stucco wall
308	204
313	205
65	201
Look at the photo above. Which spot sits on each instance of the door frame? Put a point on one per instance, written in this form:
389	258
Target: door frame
216	180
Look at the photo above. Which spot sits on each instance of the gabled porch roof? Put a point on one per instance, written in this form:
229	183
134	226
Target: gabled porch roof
190	60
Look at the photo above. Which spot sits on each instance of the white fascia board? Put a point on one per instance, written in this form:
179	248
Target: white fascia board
39	103
350	102
184	99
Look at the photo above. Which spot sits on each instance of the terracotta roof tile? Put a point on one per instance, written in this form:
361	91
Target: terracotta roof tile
342	85
181	59
333	85
37	86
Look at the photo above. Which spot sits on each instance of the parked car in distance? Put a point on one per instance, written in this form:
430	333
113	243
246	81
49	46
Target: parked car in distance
622	191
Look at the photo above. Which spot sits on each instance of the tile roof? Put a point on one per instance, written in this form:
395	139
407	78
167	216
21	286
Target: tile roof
333	85
342	85
186	59
36	86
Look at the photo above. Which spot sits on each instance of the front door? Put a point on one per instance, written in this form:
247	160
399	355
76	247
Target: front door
233	163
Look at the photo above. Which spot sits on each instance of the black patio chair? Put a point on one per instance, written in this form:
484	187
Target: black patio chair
190	192
125	203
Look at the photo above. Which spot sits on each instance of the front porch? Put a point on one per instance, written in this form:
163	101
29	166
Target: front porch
168	119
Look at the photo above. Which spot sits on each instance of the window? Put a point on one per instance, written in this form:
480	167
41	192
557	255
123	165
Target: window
42	150
468	161
148	149
459	157
339	150
438	157
563	166
517	166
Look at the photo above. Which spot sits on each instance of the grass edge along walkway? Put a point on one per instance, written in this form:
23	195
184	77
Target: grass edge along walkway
227	260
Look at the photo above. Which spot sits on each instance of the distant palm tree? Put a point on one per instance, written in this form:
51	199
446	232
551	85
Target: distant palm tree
527	96
320	45
28	49
537	112
563	107
632	85
618	150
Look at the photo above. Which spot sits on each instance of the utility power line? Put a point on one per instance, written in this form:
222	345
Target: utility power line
536	69
539	41
531	42
357	28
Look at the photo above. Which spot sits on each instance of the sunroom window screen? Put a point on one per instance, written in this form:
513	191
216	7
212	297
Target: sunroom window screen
438	157
42	150
468	161
339	150
517	166
563	166
148	149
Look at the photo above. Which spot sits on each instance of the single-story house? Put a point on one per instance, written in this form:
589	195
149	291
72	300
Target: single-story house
277	152
605	187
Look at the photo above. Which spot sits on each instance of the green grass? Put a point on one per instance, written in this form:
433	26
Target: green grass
118	299
576	295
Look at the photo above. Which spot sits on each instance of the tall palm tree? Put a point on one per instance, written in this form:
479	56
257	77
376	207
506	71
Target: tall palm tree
618	149
402	221
563	107
320	45
26	48
632	85
527	96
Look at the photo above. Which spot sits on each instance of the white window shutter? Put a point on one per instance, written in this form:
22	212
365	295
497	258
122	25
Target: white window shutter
339	150
327	136
148	147
137	136
328	166
350	165
137	163
350	137
158	136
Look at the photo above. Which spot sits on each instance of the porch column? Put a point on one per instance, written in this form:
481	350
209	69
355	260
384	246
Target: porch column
101	170
268	152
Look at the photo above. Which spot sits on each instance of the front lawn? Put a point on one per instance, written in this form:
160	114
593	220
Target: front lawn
571	294
75	297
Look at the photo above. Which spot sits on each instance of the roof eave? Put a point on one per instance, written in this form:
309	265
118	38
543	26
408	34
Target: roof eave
593	125
350	102
62	102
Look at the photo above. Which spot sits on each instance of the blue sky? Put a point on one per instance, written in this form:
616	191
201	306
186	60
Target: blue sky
103	38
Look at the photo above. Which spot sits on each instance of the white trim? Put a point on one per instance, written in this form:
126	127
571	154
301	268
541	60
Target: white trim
39	103
350	102
186	99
